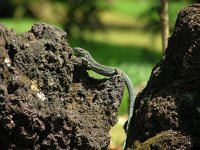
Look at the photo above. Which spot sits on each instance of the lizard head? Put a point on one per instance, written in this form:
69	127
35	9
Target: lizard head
80	52
85	55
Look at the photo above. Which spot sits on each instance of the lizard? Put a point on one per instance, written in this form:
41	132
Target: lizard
109	71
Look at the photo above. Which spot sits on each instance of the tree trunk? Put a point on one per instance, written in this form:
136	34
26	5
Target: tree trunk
164	19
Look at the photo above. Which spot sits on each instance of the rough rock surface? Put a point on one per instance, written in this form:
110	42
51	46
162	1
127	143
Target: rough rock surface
47	99
170	103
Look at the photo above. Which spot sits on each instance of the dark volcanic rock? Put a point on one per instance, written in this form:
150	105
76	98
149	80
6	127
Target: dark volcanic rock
170	103
47	99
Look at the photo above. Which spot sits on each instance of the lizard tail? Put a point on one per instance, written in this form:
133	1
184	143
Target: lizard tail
131	92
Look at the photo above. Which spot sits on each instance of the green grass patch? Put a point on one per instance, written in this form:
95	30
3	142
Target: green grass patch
21	25
130	7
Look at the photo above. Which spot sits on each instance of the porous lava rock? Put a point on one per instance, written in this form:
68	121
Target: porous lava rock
167	111
47	98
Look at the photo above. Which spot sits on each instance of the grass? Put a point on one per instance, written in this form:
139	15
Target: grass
21	25
18	24
130	7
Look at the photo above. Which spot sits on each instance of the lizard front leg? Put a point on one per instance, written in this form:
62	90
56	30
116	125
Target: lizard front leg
86	62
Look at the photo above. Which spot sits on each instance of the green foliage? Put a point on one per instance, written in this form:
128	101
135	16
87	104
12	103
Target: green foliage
78	15
152	13
84	15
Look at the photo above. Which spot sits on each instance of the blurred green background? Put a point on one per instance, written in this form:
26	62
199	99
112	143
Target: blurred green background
121	33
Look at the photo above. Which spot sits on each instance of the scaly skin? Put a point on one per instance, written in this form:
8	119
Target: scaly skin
109	71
